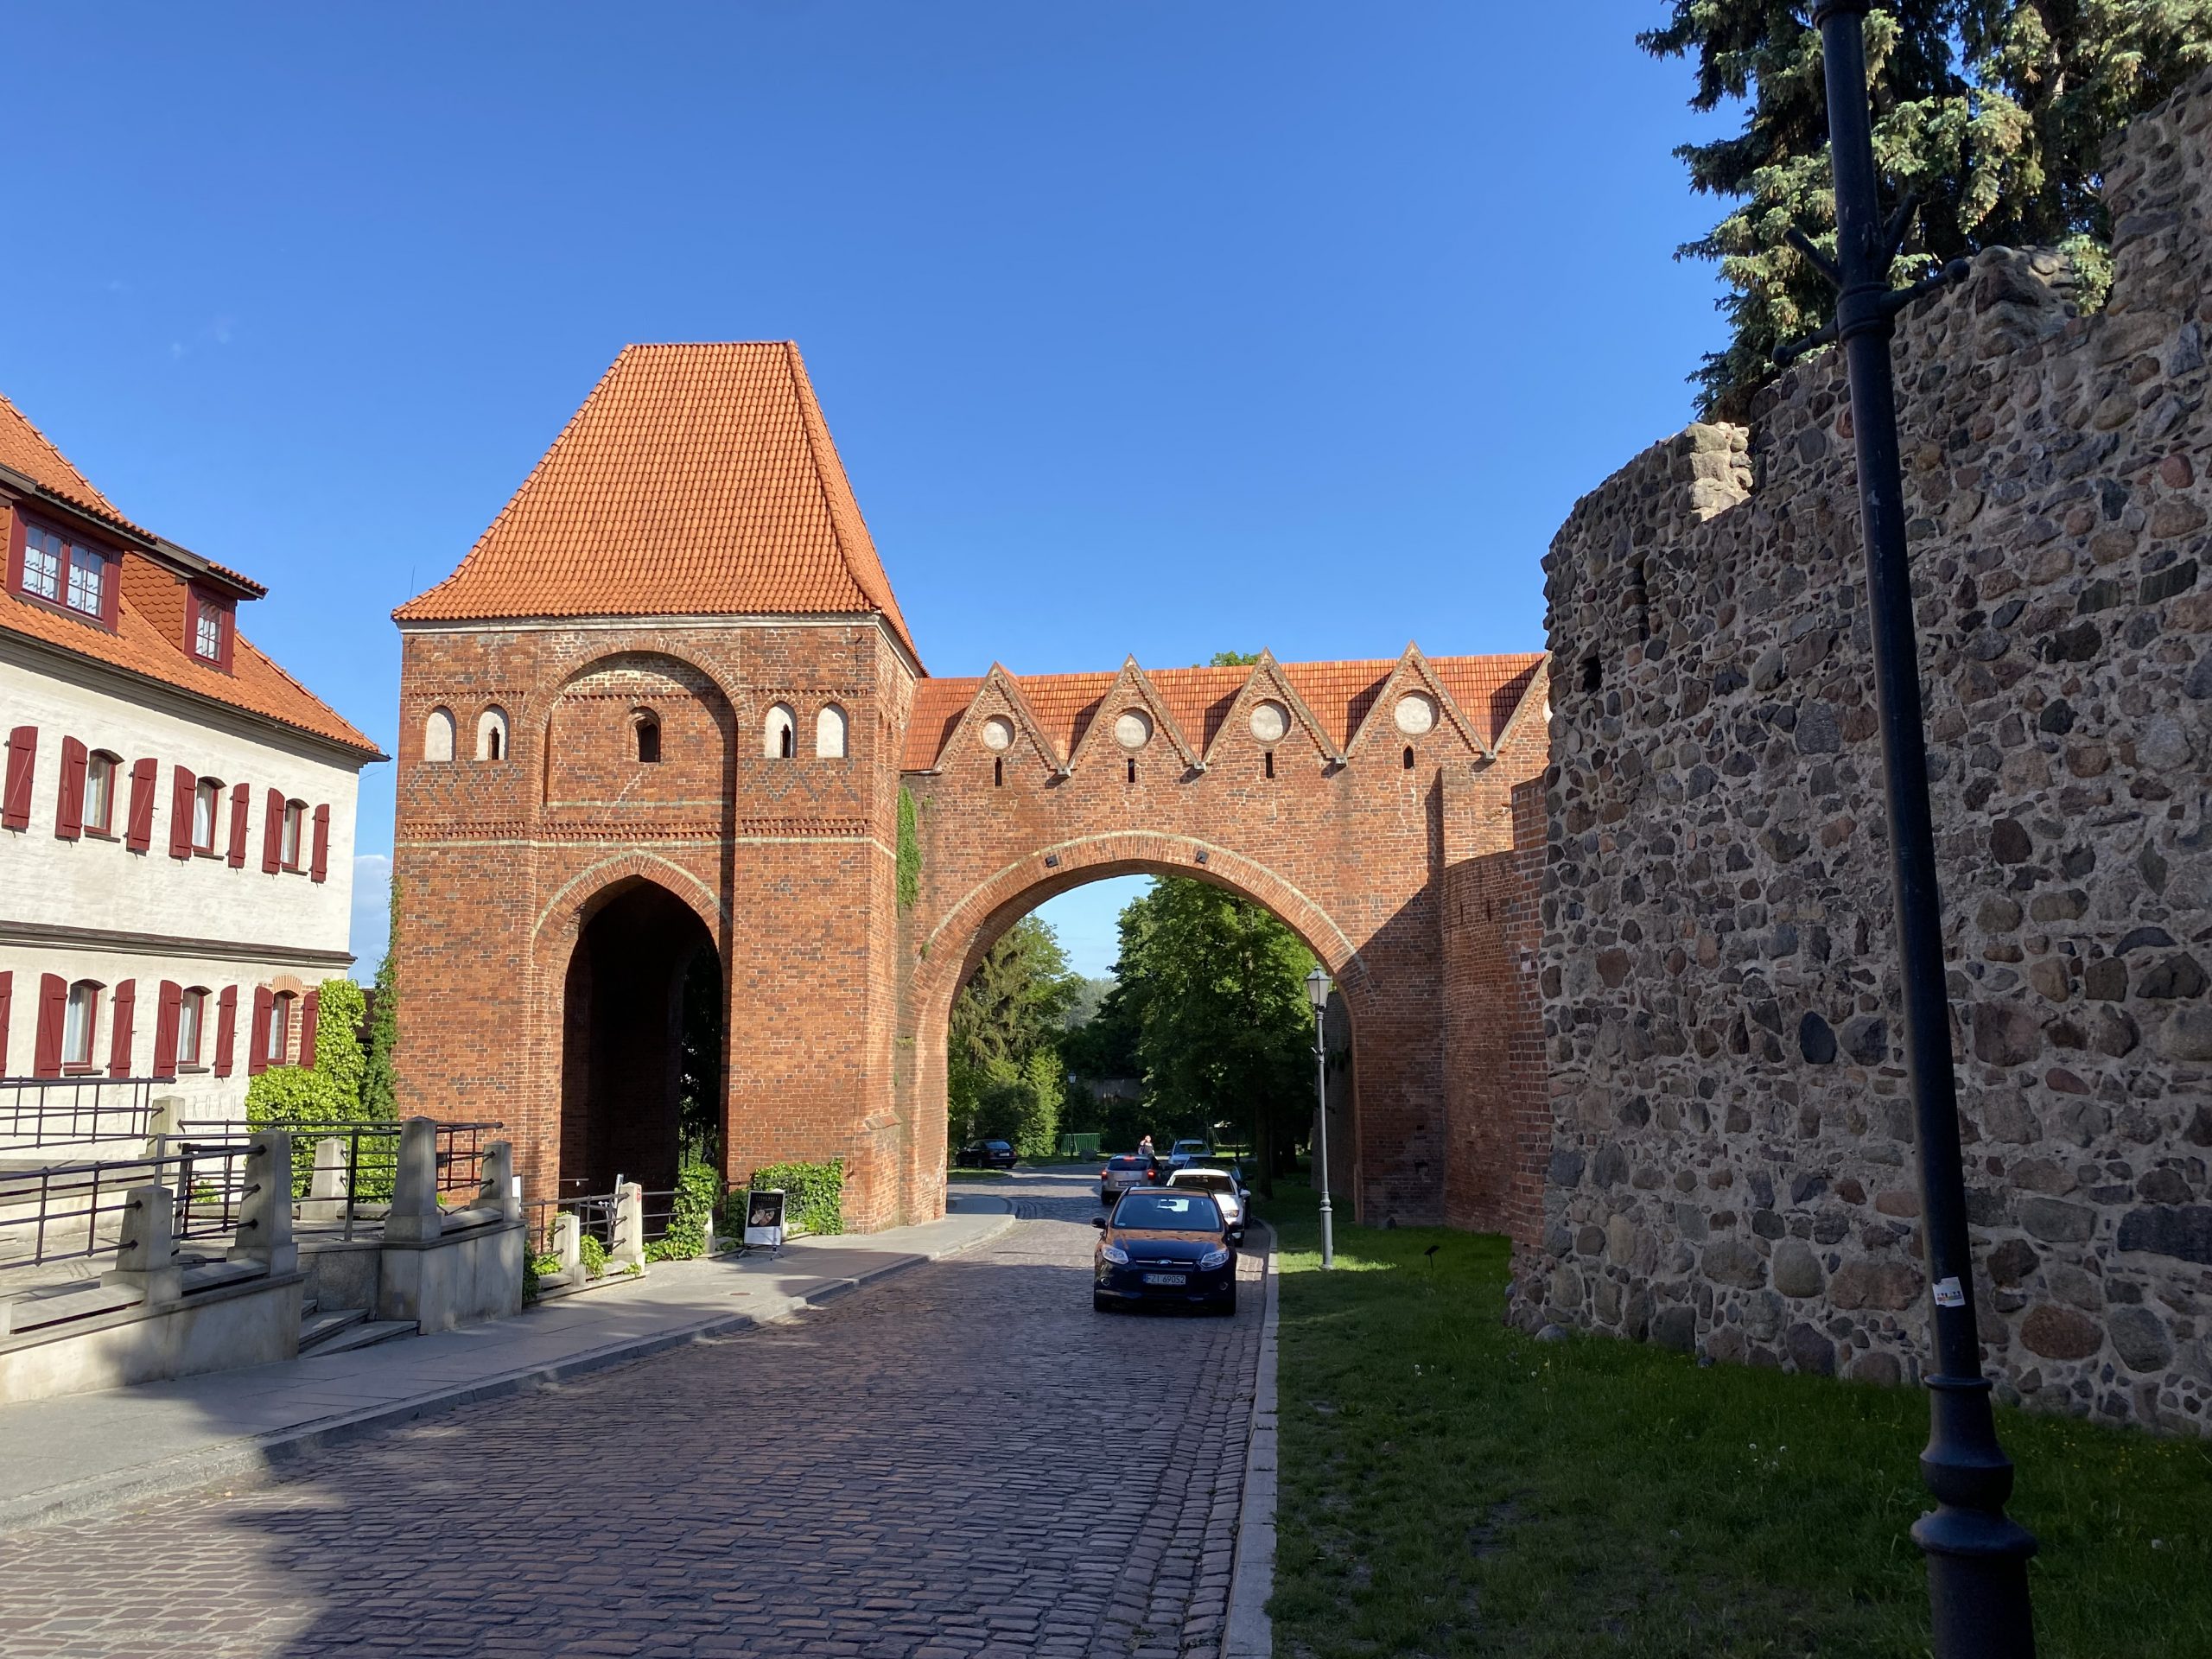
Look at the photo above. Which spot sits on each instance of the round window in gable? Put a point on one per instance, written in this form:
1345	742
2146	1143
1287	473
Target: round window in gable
1416	713
998	733
1270	721
1132	730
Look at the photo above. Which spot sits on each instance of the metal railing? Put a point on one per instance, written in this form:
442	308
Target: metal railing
38	1112
368	1166
594	1214
69	1212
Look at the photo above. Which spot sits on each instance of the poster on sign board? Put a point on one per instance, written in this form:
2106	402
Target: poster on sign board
764	1218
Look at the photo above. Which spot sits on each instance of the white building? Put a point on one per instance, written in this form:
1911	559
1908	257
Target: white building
176	815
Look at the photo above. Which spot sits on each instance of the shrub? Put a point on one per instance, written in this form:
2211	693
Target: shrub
814	1195
698	1189
594	1254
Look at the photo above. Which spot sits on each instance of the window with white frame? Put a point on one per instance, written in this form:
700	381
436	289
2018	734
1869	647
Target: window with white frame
41	563
87	580
191	1019
208	630
66	572
280	1028
99	792
295	816
206	807
80	1021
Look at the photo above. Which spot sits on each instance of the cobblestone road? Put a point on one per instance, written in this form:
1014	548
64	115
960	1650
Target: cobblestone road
961	1460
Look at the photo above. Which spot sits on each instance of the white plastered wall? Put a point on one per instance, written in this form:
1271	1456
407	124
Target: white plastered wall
196	921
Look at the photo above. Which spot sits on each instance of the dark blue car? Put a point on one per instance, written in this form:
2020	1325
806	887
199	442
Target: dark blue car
1167	1245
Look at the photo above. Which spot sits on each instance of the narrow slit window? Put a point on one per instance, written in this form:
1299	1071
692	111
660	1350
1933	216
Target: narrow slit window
80	1019
998	774
206	801
648	738
99	793
191	1016
1133	771
1409	757
1271	763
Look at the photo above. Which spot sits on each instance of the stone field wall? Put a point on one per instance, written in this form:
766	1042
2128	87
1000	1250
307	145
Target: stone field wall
1733	1166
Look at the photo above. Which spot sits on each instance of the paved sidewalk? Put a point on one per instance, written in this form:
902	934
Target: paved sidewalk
62	1458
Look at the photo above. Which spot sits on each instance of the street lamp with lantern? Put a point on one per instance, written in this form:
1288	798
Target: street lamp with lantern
1317	993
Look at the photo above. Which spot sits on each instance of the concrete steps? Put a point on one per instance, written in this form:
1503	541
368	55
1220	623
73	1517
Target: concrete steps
335	1330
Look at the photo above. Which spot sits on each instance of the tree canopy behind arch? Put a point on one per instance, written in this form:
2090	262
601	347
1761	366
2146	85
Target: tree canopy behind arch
1995	113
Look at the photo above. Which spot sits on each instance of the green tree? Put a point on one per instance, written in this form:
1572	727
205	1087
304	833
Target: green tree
1223	1026
379	1096
1993	113
1013	1009
1232	659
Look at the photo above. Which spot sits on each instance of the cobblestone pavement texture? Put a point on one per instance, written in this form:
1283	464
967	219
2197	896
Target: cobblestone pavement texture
964	1460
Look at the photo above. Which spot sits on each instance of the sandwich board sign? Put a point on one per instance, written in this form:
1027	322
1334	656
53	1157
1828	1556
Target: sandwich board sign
764	1218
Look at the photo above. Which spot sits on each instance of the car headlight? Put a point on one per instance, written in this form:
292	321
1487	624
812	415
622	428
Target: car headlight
1217	1257
1115	1253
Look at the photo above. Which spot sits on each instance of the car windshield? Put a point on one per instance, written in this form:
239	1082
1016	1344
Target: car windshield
1130	1163
1211	1179
1168	1213
1190	1146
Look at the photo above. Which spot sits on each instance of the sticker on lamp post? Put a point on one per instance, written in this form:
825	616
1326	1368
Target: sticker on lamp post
1948	1294
764	1220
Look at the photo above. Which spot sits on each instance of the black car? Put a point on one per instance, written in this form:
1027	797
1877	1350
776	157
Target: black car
1164	1244
986	1155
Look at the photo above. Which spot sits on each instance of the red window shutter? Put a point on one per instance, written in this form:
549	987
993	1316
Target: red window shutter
7	996
310	1011
142	773
166	1016
264	1002
125	1015
52	1008
241	809
272	834
319	865
226	1028
182	784
22	761
69	804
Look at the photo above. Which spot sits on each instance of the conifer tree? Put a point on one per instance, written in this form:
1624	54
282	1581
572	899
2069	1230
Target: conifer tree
1993	113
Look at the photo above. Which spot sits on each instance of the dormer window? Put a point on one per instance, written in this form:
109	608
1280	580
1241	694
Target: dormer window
63	571
207	624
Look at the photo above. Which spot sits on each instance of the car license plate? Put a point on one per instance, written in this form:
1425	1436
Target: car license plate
1165	1279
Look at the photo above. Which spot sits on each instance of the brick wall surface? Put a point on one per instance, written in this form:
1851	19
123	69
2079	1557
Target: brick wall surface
1405	879
1731	1163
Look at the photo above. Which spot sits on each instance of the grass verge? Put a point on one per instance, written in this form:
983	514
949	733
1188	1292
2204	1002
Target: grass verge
1451	1487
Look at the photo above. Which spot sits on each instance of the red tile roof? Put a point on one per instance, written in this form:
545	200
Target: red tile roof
149	636
1487	688
695	480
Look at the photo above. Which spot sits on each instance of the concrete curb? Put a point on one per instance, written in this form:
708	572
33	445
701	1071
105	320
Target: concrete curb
246	1461
1249	1633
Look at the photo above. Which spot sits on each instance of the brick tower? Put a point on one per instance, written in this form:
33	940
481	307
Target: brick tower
649	734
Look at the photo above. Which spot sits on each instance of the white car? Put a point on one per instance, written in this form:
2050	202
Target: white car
1226	1193
1185	1152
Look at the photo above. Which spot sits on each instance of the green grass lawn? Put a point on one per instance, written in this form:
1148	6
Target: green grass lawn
978	1174
1450	1486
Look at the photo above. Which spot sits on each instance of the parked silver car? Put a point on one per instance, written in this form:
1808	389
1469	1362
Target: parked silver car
1126	1170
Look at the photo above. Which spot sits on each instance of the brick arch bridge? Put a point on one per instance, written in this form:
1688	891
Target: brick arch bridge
689	557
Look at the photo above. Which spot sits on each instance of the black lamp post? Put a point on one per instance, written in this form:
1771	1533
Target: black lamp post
1317	993
1977	1555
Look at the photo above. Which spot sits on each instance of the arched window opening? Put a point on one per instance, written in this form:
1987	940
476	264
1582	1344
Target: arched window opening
1409	757
648	728
99	792
998	774
437	735
280	1028
206	803
830	730
81	1022
778	734
491	734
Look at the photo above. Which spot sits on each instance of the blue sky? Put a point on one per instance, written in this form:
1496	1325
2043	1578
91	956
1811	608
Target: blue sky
1158	326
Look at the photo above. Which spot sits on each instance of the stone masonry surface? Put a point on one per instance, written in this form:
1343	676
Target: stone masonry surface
913	1471
1732	1165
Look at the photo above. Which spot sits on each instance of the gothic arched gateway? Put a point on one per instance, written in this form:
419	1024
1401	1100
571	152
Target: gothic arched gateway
714	714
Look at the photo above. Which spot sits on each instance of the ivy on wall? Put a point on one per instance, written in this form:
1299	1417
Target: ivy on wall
814	1196
910	852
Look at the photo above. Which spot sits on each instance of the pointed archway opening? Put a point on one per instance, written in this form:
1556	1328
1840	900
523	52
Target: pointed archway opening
640	1068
